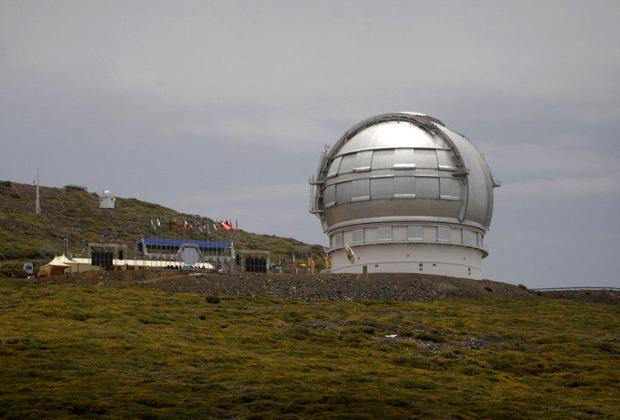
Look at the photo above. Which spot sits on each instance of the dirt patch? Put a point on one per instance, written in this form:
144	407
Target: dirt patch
303	286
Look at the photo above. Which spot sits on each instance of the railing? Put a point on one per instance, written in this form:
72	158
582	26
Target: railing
313	206
561	289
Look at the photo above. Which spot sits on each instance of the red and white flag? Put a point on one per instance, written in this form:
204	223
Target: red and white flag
226	225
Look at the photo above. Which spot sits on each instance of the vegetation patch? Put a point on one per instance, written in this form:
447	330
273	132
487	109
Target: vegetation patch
212	299
71	350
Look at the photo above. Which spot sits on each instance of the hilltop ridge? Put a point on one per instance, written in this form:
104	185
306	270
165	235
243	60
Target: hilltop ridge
75	215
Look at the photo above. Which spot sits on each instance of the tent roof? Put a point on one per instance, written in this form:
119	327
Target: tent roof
60	261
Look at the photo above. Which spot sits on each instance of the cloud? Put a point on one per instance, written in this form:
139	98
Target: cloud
576	187
223	108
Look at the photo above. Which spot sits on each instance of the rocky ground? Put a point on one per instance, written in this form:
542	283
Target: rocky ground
596	296
333	287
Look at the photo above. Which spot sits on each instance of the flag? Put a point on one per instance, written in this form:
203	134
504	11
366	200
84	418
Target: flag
350	254
226	225
311	265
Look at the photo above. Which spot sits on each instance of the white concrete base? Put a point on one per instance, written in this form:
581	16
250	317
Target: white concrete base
440	259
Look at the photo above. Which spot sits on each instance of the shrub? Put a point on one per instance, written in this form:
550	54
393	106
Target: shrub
435	338
13	269
368	329
405	332
608	347
80	316
522	286
488	289
213	299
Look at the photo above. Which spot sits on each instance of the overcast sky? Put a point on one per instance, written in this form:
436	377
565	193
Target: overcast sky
222	108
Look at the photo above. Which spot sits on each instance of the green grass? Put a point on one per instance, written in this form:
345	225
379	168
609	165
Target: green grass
131	352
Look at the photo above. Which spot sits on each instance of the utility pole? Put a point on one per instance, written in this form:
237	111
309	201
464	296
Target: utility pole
37	204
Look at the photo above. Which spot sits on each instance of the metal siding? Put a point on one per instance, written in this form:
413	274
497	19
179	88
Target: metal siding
348	237
383	159
344	192
329	195
348	163
427	187
355	162
399	233
361	190
469	238
425	159
333	169
403	158
443	234
450	188
415	233
394	134
479	180
362	161
446	159
338	239
456	236
430	233
384	233
404	187
381	188
370	235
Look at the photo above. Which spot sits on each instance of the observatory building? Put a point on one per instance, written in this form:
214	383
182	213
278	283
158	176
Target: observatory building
402	193
107	200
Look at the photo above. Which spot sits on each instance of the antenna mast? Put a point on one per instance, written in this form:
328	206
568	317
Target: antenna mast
37	204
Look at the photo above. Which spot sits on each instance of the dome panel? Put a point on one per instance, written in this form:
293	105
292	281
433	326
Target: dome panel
426	159
391	135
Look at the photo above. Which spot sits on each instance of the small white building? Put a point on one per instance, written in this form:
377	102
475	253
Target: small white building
107	200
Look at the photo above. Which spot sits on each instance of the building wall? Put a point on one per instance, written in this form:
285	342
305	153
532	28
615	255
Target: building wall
383	233
439	259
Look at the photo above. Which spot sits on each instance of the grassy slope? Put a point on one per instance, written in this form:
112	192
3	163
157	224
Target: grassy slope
130	351
75	215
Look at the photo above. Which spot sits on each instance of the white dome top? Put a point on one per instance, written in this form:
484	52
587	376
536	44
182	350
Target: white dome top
403	167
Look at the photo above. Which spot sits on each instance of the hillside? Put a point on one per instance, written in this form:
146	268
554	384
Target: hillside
127	351
75	215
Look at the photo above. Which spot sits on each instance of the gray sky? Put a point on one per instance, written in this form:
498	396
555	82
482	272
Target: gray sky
222	108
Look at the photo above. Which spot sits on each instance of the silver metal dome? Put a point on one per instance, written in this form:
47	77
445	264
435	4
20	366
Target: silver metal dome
403	168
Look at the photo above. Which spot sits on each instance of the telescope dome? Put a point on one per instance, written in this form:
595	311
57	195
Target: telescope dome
397	189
